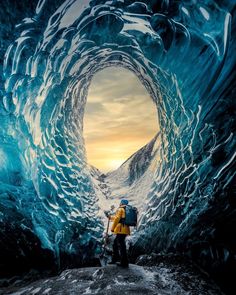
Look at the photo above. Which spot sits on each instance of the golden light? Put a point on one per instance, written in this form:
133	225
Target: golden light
120	118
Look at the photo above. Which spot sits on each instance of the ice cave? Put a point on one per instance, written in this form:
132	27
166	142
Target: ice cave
183	52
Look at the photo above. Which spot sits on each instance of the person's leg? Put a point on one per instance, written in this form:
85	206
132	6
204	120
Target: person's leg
115	253
123	252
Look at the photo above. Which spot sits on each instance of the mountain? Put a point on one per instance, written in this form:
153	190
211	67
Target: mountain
132	180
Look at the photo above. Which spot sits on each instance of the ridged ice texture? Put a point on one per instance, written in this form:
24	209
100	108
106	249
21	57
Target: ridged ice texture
181	52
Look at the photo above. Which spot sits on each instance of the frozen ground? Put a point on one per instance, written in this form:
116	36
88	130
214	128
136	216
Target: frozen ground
161	279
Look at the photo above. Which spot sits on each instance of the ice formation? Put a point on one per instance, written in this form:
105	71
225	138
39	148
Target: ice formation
183	54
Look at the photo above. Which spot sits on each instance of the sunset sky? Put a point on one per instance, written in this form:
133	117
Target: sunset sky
119	119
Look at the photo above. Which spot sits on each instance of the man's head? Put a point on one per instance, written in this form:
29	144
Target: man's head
124	202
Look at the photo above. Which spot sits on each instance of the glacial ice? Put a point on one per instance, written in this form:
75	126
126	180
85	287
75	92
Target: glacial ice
182	52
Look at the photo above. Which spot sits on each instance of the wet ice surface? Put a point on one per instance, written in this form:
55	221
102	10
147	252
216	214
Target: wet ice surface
161	279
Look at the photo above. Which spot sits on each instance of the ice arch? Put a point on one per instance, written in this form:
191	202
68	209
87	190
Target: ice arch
47	72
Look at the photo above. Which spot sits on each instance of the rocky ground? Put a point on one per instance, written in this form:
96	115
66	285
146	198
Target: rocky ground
112	280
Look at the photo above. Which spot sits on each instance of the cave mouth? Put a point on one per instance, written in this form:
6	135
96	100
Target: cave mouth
120	118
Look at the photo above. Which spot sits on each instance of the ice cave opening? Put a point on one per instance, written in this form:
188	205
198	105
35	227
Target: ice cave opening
120	118
122	138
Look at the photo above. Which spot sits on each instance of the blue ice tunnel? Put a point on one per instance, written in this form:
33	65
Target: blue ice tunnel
48	203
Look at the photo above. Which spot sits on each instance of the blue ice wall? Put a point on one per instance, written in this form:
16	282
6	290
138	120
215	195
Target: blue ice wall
183	54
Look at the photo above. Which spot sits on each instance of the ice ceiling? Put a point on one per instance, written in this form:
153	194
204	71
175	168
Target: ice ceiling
183	54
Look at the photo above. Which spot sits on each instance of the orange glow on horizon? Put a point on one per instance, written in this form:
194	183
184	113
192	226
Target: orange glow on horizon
120	118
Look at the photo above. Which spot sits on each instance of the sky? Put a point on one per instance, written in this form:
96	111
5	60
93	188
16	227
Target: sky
119	118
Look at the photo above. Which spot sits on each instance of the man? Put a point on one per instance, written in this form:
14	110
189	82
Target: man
121	231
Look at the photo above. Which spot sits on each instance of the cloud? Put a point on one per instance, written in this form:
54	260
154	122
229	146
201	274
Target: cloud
94	108
120	118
